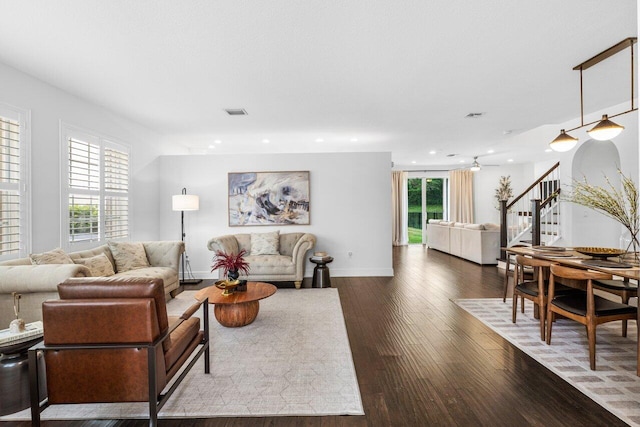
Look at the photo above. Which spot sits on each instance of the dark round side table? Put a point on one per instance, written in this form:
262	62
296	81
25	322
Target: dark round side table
14	375
321	278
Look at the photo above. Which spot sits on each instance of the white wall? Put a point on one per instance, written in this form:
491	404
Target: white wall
350	206
597	162
49	106
485	182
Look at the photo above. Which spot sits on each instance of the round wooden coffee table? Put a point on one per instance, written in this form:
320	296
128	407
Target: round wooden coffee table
239	308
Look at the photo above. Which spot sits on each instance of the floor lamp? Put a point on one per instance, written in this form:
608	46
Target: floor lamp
186	202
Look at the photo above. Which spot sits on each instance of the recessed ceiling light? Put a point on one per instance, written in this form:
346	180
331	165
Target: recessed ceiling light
217	141
548	150
354	140
461	161
510	160
212	146
236	111
432	152
266	141
319	140
490	151
414	162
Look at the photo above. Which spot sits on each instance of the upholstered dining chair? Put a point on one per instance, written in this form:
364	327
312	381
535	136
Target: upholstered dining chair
534	289
625	289
110	340
584	307
510	258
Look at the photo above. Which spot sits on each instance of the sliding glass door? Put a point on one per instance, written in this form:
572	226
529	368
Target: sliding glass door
427	199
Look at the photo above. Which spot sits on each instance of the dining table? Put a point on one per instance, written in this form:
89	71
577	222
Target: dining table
570	257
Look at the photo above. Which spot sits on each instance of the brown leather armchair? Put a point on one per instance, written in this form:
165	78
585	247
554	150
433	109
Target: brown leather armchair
110	340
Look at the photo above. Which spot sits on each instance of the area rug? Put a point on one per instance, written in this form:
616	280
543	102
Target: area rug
614	384
294	359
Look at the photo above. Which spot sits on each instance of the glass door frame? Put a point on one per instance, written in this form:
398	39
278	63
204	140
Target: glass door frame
424	176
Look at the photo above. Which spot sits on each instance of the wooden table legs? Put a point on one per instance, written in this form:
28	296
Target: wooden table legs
236	315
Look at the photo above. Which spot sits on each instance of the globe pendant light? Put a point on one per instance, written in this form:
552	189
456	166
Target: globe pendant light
605	130
563	142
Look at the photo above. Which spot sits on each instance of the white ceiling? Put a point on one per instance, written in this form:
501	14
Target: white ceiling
398	76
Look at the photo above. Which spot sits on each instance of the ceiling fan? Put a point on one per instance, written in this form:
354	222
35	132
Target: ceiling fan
475	165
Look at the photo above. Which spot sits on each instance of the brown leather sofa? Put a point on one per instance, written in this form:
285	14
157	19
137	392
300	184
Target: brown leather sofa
110	340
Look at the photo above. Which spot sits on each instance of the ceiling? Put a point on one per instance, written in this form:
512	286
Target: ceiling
331	75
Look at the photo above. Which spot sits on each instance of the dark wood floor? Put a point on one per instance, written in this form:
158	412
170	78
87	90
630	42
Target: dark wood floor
423	361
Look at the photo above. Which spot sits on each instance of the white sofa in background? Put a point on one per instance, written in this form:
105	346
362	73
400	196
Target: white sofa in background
479	243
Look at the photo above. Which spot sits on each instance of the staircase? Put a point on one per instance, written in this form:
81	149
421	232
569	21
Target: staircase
533	218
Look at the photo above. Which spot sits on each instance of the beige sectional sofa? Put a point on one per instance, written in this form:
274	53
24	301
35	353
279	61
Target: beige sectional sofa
38	283
284	263
479	243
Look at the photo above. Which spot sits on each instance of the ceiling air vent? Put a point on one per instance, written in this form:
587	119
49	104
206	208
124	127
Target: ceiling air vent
451	155
474	115
236	111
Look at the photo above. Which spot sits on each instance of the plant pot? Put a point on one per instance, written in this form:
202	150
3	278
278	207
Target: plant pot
232	275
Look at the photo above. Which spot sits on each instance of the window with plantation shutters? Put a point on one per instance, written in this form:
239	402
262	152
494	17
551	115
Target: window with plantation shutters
14	225
97	188
116	187
84	190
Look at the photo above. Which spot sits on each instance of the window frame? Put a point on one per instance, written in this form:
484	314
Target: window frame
23	116
104	142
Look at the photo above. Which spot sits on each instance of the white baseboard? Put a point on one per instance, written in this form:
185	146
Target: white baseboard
361	272
334	272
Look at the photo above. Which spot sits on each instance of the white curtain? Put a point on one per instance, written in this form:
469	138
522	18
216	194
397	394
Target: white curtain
399	207
461	188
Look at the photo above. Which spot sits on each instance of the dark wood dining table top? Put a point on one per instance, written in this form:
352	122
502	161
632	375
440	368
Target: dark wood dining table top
575	259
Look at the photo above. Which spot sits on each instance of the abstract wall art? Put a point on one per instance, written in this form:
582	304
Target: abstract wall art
269	198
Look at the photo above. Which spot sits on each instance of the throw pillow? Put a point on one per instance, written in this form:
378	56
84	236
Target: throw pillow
99	265
474	226
128	256
56	256
265	243
491	226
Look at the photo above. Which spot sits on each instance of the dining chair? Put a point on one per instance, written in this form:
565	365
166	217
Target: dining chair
623	288
534	289
584	307
509	260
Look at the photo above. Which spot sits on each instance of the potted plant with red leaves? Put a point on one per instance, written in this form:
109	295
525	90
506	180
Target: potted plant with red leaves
232	265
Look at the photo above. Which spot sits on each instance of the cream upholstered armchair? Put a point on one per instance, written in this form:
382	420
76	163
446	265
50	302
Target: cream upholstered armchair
282	262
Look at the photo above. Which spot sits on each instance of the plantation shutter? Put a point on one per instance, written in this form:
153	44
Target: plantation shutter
116	187
10	195
84	190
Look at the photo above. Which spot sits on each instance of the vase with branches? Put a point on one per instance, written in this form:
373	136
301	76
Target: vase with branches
504	190
618	204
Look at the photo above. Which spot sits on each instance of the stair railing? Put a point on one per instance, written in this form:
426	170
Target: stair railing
517	221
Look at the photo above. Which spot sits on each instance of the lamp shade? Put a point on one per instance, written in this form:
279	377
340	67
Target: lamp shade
563	142
605	130
185	202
